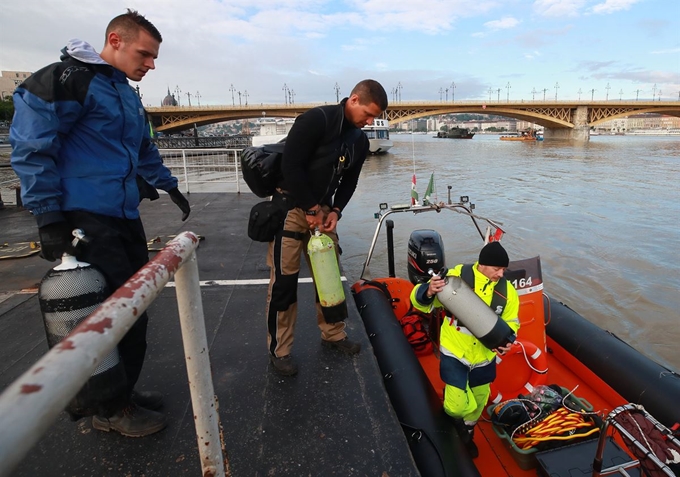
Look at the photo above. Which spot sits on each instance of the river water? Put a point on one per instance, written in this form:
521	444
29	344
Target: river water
604	216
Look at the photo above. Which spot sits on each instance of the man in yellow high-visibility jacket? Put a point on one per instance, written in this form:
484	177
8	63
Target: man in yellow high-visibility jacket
467	366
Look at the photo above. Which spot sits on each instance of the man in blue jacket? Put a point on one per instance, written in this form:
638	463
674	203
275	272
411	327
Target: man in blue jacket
80	140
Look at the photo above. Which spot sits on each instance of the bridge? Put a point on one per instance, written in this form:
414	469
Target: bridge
560	119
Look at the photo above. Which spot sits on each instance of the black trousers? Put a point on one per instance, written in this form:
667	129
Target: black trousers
117	247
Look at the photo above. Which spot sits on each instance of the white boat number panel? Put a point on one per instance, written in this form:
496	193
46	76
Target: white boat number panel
380	123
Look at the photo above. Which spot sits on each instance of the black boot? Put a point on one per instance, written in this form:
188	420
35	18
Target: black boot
466	434
470	443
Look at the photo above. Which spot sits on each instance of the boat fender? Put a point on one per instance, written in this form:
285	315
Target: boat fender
327	279
535	359
463	303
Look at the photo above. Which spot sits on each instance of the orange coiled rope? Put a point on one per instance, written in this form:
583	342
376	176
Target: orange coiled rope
560	425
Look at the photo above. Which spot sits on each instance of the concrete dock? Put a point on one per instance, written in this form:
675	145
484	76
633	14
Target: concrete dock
333	418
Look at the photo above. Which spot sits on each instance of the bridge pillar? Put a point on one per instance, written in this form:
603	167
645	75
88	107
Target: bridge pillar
580	132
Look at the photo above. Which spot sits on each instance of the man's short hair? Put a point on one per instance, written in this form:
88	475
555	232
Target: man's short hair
128	25
370	91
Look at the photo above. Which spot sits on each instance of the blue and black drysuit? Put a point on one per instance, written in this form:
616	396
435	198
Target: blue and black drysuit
80	138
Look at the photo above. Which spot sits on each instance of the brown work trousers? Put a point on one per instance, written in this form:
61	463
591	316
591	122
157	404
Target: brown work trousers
283	258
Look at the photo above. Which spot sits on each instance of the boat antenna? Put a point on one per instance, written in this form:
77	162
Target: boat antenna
413	149
414	194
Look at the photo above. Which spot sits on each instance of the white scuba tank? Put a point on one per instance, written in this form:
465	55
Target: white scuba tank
471	311
322	256
68	294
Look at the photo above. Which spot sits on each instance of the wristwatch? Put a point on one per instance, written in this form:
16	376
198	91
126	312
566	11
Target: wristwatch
337	211
311	212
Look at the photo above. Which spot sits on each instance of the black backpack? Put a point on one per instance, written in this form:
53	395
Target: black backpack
261	168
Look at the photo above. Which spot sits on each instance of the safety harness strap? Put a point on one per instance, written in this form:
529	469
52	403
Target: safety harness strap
293	235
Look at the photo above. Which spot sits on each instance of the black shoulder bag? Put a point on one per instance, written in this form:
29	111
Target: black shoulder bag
261	168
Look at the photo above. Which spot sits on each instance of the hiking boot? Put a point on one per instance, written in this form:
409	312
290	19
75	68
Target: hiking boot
152	400
344	345
285	365
132	421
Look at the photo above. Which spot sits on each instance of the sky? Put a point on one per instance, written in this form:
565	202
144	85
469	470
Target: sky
427	50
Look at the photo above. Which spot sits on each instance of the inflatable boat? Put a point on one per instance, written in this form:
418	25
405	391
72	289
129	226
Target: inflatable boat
601	381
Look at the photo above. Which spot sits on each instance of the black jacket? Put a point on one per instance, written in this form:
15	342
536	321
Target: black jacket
312	172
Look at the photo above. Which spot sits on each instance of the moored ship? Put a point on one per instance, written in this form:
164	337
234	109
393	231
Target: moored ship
378	135
456	133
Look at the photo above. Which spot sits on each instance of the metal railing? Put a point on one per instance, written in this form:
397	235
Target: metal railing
207	167
198	170
9	185
29	406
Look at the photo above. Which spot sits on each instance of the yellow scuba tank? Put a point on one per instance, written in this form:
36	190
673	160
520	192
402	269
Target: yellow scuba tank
326	273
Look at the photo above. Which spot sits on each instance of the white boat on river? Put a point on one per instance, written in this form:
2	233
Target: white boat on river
378	136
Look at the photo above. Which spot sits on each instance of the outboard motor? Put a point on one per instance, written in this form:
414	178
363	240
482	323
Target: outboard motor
321	250
425	252
462	302
68	294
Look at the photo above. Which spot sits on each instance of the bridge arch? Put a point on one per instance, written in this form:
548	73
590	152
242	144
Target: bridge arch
563	119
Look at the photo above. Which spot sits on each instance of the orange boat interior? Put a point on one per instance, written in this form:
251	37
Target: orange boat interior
496	458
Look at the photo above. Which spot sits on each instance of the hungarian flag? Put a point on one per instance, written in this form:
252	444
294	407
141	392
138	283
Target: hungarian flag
414	194
428	191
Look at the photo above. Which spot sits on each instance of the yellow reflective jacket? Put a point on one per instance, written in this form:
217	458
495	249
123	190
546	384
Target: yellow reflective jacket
461	344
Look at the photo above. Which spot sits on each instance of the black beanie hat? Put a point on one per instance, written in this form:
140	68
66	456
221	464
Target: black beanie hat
494	255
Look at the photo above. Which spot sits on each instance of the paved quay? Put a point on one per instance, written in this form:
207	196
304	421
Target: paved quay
332	419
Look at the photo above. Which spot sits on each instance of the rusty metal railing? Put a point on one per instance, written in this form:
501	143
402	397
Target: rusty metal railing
29	406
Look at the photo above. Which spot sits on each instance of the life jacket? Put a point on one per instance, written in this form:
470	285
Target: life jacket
500	292
412	323
415	332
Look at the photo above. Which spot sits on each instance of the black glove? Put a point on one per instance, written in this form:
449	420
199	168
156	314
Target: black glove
146	190
55	240
181	202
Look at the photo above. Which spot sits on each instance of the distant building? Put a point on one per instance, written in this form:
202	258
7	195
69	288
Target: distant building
169	100
9	80
635	122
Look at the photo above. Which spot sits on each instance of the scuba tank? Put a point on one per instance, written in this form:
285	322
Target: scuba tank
463	303
68	294
326	272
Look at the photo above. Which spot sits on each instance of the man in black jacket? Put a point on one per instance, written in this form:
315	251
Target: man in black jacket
322	159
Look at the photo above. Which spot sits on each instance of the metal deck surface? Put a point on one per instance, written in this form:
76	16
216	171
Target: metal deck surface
333	418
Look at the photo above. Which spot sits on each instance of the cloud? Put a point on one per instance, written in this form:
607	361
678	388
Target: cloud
593	66
611	6
612	70
540	37
653	27
502	24
665	52
532	55
558	8
358	44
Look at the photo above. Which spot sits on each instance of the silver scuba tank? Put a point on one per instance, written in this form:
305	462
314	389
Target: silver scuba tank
463	303
68	294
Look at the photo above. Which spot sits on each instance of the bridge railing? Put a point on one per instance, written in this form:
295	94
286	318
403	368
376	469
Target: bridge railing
30	405
205	170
